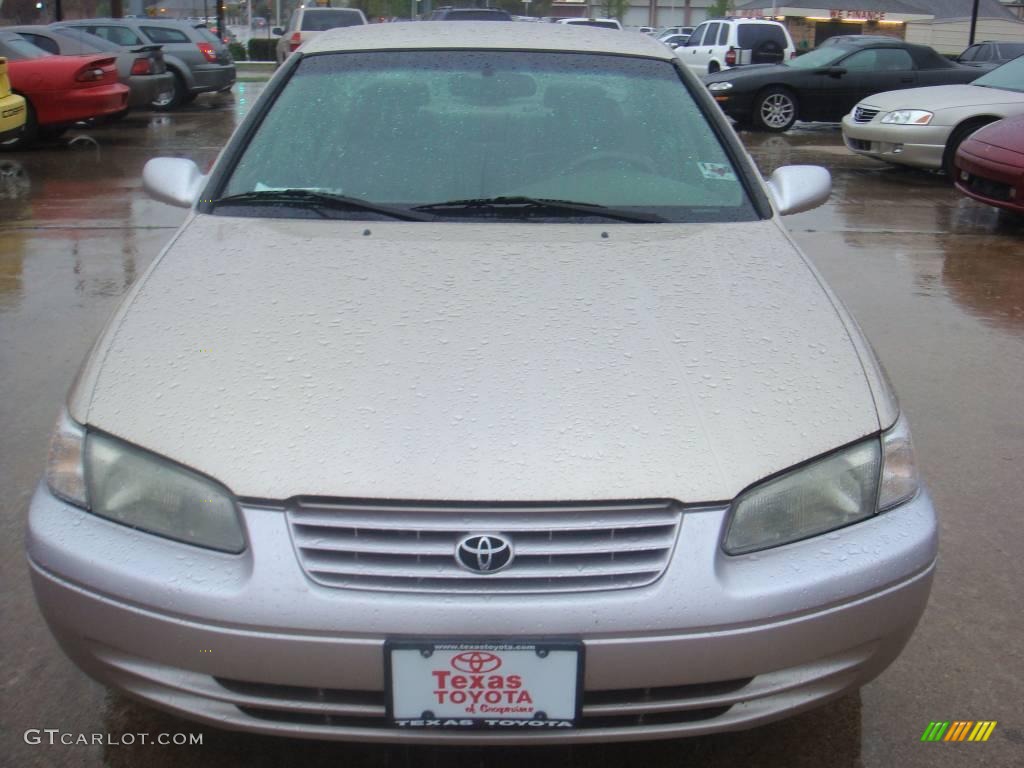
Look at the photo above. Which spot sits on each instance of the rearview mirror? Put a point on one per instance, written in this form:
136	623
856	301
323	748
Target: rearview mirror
798	188
173	180
831	71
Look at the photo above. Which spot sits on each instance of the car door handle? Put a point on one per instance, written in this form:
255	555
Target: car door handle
906	79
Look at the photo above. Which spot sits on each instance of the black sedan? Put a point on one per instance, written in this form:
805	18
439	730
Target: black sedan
827	83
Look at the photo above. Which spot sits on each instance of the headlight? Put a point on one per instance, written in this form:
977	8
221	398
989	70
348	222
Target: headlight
826	494
139	489
125	484
843	488
908	117
720	86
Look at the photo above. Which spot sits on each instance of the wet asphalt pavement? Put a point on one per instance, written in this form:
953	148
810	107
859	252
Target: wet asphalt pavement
936	281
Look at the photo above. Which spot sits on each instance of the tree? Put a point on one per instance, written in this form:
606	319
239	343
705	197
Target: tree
720	9
614	9
22	12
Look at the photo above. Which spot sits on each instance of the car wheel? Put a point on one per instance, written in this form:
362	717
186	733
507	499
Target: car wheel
172	98
956	138
52	132
775	110
28	133
713	67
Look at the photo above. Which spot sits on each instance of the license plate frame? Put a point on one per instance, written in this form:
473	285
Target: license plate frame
527	656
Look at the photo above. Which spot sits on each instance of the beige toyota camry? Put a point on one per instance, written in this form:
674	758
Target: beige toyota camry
482	398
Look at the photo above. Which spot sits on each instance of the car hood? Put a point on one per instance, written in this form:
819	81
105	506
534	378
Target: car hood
1005	134
479	362
939	97
749	71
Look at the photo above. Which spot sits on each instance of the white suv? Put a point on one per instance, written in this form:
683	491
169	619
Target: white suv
306	23
723	43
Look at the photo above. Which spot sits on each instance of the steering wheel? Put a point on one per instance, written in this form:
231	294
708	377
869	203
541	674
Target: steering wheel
609	159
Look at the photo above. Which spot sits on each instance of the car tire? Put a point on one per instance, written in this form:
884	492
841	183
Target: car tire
956	138
28	134
52	132
713	68
176	97
775	110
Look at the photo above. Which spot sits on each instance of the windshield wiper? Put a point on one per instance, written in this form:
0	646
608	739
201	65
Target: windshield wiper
538	205
311	198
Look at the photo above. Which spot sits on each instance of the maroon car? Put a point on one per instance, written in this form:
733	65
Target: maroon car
990	165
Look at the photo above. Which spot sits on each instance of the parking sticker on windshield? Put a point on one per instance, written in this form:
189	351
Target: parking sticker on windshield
717	171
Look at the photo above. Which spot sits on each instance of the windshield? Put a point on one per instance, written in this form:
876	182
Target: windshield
424	127
1009	77
475	15
207	34
819	57
595	23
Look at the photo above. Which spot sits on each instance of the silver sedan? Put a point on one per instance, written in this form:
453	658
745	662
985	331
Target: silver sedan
924	127
479	401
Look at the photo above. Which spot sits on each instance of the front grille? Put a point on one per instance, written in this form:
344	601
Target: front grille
993	190
410	546
601	709
864	114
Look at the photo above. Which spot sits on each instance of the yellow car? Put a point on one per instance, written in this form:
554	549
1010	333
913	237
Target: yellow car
12	107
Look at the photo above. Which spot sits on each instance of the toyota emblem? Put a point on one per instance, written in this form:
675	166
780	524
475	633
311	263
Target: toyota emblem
476	662
487	553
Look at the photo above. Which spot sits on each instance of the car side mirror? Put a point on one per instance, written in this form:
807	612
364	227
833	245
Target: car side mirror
173	180
835	71
673	46
277	31
798	188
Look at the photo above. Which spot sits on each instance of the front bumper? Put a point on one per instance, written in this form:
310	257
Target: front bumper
919	146
12	116
994	175
738	106
248	642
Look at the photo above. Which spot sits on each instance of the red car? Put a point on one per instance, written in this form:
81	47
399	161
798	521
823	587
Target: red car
60	90
990	165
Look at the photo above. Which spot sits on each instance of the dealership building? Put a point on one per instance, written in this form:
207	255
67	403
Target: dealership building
943	24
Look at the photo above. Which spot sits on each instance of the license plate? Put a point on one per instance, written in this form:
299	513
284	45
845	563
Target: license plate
513	685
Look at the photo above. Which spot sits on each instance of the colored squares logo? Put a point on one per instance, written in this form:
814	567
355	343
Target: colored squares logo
959	730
